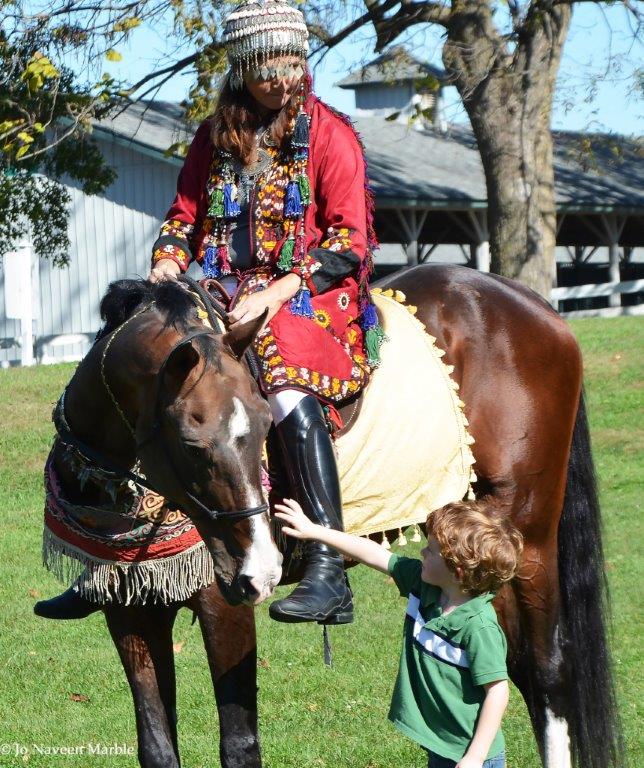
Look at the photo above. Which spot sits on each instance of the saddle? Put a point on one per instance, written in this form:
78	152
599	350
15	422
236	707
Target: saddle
402	444
404	449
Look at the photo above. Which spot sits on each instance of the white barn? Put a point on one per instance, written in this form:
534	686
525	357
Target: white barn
111	235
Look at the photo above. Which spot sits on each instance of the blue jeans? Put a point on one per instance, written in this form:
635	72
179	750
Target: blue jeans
436	761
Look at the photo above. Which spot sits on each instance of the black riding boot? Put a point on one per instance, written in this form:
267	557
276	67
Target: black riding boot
323	594
68	605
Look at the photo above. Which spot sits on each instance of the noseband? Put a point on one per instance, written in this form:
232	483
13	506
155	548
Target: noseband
155	431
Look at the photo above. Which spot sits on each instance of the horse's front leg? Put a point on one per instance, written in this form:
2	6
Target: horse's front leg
143	638
229	637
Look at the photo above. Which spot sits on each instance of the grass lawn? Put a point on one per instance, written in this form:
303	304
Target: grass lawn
310	715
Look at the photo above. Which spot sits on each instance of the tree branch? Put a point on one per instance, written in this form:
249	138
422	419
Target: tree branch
408	15
170	70
329	41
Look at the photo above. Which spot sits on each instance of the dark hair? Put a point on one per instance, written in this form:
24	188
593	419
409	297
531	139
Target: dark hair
236	120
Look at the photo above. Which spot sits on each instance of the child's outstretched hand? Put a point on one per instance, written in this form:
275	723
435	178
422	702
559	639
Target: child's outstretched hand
296	522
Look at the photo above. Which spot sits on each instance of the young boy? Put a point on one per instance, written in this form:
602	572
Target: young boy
452	687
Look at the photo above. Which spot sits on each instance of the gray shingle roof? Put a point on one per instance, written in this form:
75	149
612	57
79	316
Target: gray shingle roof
155	125
394	66
591	170
432	169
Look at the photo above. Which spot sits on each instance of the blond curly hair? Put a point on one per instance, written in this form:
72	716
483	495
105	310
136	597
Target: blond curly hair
482	548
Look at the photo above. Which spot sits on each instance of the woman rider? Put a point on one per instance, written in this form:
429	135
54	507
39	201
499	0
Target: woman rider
273	193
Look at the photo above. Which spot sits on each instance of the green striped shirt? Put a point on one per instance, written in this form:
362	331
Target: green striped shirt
445	662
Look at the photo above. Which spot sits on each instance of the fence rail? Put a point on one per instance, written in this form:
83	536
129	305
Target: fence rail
596	290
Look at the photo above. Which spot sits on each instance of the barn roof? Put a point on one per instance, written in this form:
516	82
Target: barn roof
394	66
433	169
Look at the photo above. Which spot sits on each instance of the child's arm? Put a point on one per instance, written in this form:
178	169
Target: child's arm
496	700
300	527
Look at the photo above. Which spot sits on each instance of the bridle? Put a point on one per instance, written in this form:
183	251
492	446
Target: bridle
155	433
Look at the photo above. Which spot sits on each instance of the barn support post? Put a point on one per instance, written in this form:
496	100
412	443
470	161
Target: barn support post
480	240
412	222
613	227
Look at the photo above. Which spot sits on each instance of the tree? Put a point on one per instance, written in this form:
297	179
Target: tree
502	59
505	74
44	119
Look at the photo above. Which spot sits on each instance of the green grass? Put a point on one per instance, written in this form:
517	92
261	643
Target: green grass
310	716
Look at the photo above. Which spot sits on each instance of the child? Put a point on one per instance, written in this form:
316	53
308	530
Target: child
452	687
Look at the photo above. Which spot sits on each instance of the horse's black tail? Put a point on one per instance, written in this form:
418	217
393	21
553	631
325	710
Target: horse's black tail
593	720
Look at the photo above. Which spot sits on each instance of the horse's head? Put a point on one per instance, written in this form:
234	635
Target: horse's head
201	435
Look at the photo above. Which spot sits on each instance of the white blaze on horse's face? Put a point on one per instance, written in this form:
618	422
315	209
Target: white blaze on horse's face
262	565
239	424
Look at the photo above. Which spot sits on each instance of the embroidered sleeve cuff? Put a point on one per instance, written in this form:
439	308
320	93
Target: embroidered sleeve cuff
334	267
171	248
305	270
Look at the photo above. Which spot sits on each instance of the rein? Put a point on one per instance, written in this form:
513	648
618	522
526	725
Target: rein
214	311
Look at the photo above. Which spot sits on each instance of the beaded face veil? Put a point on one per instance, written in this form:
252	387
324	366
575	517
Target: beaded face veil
260	30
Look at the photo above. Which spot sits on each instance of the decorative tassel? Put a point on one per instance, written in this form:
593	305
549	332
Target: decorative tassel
285	262
305	188
231	207
301	303
374	336
293	201
300	138
210	264
222	258
369	317
385	542
216	207
416	535
401	540
373	340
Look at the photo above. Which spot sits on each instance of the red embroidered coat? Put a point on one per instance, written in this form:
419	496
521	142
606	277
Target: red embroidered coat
323	354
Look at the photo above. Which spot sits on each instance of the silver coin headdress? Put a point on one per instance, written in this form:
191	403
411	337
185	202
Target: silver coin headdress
259	30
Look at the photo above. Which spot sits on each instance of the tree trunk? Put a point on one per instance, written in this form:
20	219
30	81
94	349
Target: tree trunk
508	97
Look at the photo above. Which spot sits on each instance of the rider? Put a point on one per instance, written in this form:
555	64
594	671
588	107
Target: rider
273	192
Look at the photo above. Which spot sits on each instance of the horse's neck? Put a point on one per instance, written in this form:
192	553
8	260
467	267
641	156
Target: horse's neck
93	416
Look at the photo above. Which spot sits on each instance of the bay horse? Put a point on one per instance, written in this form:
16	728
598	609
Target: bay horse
159	389
520	374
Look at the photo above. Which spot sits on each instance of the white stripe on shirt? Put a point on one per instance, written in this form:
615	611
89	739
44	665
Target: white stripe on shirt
430	641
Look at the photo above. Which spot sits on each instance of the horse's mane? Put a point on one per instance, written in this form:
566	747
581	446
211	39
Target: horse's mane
124	297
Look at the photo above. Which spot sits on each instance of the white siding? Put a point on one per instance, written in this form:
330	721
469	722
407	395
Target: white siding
111	237
383	96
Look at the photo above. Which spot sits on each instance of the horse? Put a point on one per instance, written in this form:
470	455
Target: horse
160	392
519	372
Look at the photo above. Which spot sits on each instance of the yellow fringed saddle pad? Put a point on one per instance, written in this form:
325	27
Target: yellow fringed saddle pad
409	451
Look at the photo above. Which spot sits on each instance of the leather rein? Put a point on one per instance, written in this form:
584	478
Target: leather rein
215	312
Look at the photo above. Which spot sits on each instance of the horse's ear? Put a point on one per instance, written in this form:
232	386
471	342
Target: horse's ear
240	336
181	361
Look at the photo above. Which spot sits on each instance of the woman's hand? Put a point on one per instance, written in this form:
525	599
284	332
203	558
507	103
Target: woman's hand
164	269
272	298
297	524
